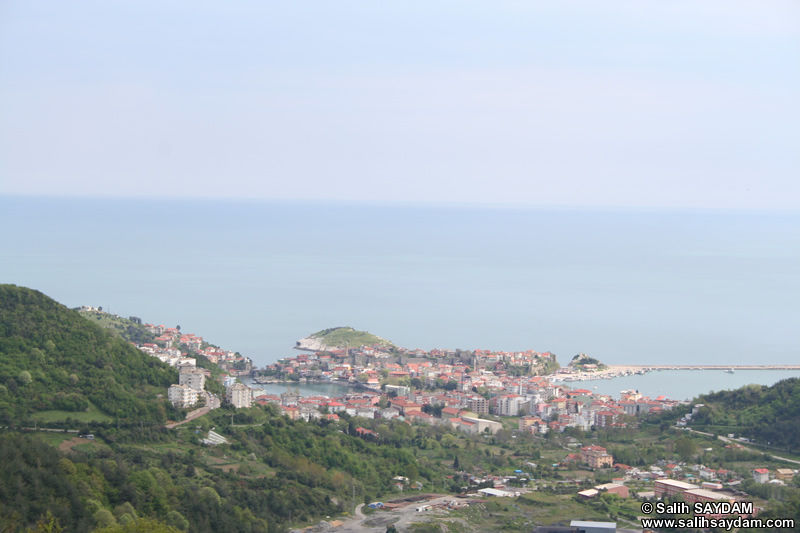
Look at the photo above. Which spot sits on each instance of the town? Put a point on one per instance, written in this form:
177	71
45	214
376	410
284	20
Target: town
448	387
478	393
460	390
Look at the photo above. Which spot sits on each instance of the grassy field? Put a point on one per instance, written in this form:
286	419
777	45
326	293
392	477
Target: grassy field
54	439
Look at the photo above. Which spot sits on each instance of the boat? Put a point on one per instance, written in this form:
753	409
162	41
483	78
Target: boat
729	371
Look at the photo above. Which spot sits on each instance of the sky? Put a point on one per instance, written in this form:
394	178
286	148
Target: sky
579	103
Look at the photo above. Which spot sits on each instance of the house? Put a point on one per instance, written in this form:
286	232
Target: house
761	475
403	405
450	412
291	411
596	456
784	474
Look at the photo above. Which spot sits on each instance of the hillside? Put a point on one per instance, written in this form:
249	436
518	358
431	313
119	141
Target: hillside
763	414
333	338
580	361
55	362
121	326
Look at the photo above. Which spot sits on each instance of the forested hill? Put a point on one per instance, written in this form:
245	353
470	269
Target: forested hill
764	414
52	359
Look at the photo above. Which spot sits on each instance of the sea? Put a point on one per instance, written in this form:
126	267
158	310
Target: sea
623	285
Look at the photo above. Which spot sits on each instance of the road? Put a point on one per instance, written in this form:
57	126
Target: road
380	520
212	402
197	413
734	441
726	439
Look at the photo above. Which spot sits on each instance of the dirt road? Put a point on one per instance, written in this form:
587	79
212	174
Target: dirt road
378	522
197	413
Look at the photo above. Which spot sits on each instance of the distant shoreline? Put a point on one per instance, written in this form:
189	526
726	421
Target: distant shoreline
616	371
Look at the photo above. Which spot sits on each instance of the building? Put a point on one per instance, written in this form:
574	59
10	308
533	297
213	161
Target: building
596	457
703	495
610	488
290	398
761	475
478	405
784	474
474	426
509	405
451	412
497	493
182	396
239	395
671	487
214	439
399	390
193	377
582	526
614	488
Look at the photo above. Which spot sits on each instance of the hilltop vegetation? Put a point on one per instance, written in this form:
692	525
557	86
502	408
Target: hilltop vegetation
764	414
121	326
338	337
581	359
51	358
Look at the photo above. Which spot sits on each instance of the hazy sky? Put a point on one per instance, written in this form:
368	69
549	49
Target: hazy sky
638	103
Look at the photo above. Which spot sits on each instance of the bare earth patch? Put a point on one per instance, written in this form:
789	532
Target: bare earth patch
67	445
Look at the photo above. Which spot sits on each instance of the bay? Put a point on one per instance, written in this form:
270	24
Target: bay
331	390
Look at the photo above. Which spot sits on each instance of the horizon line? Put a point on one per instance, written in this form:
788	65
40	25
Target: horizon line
421	204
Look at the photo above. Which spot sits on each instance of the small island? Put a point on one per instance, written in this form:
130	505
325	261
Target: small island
340	338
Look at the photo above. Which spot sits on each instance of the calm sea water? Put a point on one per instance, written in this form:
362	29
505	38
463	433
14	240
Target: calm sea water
624	286
331	390
684	384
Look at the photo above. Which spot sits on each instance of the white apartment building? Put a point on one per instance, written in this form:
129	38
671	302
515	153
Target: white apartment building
182	395
509	405
239	395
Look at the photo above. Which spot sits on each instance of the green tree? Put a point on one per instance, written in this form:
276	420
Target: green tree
47	524
685	448
104	518
177	520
